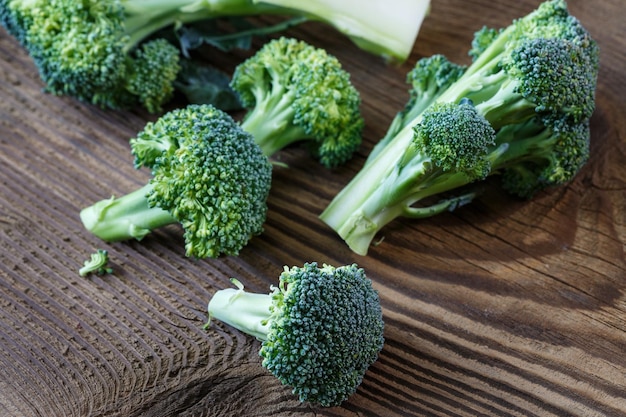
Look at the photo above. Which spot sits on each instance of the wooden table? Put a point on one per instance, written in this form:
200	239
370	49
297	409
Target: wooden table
503	308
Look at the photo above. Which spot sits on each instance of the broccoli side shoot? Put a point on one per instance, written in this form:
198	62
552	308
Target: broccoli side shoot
482	39
428	79
295	92
532	82
446	149
540	154
321	328
208	175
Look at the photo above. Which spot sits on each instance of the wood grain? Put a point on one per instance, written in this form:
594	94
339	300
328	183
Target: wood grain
503	308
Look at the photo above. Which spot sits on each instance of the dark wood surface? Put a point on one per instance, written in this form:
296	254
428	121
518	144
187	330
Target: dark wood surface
503	308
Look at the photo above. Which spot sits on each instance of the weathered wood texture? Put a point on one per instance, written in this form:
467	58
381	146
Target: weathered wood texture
503	308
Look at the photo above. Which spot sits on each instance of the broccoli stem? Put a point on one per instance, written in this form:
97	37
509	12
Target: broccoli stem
145	17
124	218
245	311
387	189
355	192
382	205
270	123
527	142
387	29
391	184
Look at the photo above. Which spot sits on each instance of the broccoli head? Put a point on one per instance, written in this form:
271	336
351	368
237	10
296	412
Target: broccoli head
208	175
295	92
456	138
533	83
83	49
321	328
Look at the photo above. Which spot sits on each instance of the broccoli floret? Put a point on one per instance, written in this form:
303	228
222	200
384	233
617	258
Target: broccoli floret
296	92
482	39
96	264
84	49
533	83
208	175
385	28
321	328
429	77
542	63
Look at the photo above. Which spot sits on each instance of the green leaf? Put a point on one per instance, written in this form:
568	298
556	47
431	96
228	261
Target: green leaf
238	36
204	84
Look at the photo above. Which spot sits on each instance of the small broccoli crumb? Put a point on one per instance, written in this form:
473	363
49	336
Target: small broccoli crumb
97	264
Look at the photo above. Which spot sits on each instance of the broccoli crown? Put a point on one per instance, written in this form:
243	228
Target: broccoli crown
456	138
545	62
209	174
81	49
556	74
541	154
296	92
325	330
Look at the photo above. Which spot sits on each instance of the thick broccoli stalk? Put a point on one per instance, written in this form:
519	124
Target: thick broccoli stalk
533	82
321	328
386	28
208	175
295	92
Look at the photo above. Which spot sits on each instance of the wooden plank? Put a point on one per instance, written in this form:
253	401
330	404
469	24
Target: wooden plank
504	307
